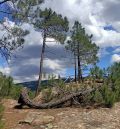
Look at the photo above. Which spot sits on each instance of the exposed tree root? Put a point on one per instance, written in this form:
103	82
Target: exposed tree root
25	100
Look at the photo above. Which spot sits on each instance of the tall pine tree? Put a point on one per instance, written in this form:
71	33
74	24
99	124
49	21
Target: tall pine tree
51	25
84	50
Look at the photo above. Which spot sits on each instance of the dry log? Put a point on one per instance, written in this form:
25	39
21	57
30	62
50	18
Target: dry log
26	100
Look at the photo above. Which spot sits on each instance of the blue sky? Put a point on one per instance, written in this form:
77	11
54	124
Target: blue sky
4	7
100	18
109	27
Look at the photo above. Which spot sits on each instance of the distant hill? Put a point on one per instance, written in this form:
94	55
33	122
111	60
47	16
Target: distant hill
33	84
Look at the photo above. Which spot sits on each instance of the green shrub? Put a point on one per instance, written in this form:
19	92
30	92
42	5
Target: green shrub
109	99
47	94
98	98
31	94
1	114
15	92
108	96
9	90
117	90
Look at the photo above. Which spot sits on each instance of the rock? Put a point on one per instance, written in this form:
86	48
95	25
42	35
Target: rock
55	126
41	120
35	118
30	117
49	126
73	114
42	126
60	114
81	126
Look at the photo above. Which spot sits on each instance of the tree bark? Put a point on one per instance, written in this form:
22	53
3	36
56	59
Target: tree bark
24	99
75	68
41	64
79	69
79	66
80	78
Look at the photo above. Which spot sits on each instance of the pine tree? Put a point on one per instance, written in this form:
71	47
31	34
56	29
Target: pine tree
97	73
83	48
51	25
23	9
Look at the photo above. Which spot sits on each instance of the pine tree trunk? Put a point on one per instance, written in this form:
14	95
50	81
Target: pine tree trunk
41	64
79	70
79	66
75	68
80	78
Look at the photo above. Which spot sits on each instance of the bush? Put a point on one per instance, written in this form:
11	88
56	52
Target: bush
103	96
98	98
117	90
109	99
1	113
15	92
108	96
8	89
47	94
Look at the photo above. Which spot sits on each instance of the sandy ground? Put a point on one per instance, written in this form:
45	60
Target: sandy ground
63	118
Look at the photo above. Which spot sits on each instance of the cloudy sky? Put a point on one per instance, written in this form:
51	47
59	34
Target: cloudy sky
100	18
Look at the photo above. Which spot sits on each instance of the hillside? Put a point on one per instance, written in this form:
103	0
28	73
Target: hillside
33	84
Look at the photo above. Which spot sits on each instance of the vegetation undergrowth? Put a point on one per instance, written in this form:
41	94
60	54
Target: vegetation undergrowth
10	90
1	114
106	83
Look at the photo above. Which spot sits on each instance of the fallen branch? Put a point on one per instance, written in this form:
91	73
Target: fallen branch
60	102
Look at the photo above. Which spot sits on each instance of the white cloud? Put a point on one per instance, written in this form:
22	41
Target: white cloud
5	70
105	38
25	66
89	14
52	64
115	58
94	16
33	37
8	24
117	50
116	25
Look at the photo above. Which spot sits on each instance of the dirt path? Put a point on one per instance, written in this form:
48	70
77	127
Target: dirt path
66	118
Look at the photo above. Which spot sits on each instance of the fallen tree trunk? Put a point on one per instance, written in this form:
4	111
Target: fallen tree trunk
25	100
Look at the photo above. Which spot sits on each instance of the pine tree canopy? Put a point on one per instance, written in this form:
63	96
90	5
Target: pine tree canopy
81	44
52	23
